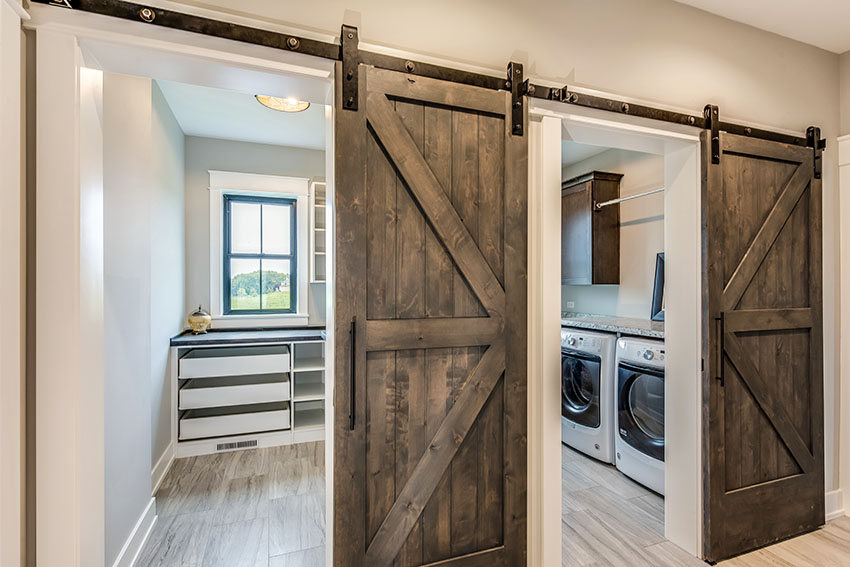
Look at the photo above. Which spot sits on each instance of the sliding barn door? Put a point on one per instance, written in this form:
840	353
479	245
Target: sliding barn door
430	396
764	386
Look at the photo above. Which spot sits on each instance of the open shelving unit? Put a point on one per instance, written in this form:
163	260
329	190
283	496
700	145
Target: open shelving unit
318	232
248	395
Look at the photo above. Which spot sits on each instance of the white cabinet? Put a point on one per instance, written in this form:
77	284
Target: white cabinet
247	394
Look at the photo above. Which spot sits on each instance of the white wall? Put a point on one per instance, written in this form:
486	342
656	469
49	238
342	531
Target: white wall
168	262
204	154
12	289
127	202
641	235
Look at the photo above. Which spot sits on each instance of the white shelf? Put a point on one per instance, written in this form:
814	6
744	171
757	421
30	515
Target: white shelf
307	419
308	364
309	391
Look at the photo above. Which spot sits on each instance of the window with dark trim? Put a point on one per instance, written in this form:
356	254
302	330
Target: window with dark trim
260	248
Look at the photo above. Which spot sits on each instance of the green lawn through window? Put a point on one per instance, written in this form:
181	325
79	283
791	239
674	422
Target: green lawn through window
272	300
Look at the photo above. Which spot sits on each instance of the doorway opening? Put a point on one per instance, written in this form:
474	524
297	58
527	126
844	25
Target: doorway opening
616	368
195	195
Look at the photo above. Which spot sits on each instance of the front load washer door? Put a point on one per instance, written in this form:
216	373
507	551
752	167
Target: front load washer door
580	388
640	408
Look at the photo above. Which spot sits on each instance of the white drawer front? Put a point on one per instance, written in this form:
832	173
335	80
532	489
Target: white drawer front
234	361
234	391
199	424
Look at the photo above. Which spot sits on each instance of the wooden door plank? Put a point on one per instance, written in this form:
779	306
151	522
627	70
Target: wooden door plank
439	302
350	233
491	237
396	334
417	88
411	500
410	305
741	320
768	402
764	239
515	472
765	149
379	452
466	201
432	199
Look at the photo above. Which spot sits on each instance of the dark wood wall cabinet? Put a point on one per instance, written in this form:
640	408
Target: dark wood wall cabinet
590	237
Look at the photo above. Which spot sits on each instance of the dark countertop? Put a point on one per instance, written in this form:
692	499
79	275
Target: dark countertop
623	325
216	337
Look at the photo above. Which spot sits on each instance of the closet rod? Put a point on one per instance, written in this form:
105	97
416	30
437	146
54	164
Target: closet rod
629	198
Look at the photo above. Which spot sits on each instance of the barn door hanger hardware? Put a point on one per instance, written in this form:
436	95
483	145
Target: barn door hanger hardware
818	144
518	86
712	123
349	53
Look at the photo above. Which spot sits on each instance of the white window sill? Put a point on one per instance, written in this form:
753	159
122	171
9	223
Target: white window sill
249	321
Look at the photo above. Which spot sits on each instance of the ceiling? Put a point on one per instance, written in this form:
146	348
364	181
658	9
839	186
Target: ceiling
573	152
231	115
822	23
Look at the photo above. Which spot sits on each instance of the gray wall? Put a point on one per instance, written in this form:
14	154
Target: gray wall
641	236
127	304
204	154
168	262
144	282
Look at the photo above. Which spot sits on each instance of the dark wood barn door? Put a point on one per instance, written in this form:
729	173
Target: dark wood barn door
430	396
764	383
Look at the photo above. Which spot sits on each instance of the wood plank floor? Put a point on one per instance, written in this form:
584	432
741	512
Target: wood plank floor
266	508
611	521
254	508
826	547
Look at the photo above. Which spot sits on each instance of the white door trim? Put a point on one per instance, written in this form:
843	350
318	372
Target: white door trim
12	286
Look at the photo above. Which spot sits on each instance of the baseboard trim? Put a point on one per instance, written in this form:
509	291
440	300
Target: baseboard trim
133	546
160	469
834	504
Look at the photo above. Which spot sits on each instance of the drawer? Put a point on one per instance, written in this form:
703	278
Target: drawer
234	391
234	361
236	420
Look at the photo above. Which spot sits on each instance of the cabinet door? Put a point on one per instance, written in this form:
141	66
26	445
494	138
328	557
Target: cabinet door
576	234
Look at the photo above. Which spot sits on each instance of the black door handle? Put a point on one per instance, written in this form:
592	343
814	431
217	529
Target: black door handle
352	382
719	368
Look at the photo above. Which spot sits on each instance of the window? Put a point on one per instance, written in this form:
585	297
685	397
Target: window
259	260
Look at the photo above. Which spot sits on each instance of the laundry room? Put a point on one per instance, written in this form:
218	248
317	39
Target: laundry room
612	347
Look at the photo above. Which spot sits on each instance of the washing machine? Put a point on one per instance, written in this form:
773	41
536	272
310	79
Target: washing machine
639	417
587	392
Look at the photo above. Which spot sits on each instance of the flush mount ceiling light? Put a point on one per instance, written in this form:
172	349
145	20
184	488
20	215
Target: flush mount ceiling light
289	104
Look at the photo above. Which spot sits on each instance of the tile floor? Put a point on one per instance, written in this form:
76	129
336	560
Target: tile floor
255	508
610	520
266	508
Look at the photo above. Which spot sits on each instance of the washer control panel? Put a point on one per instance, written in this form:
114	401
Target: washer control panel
575	341
641	352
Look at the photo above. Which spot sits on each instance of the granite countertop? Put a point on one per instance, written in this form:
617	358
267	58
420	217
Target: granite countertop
241	336
624	325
